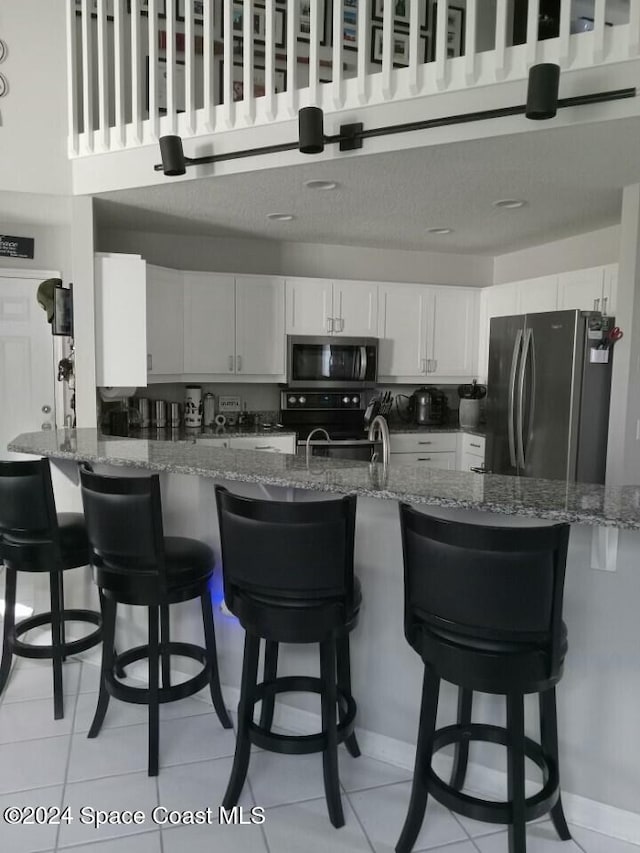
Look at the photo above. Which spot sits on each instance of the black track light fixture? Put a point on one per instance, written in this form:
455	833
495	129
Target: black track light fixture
542	103
542	92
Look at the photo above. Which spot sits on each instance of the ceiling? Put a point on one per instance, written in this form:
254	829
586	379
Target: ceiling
571	177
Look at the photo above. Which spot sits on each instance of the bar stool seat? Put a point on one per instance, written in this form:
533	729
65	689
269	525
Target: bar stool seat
33	538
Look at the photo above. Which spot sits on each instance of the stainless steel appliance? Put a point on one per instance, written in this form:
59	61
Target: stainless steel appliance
331	362
144	410
548	395
336	419
160	413
427	406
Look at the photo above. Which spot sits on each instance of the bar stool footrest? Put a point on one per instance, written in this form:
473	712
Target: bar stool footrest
71	647
491	811
299	744
140	695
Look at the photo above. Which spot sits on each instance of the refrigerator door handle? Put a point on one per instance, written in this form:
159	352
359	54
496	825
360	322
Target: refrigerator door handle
512	394
520	415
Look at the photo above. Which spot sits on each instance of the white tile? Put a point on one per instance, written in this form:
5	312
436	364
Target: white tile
27	839
357	774
213	837
136	791
306	826
89	678
194	739
129	714
149	842
541	838
198	786
33	719
461	847
35	681
33	764
278	779
383	811
594	842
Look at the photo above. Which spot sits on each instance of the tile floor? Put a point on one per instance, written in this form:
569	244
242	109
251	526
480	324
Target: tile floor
48	763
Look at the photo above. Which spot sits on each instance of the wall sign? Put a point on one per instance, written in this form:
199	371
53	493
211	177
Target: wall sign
16	247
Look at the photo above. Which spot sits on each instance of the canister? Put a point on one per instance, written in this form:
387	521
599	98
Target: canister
193	406
209	410
174	414
160	412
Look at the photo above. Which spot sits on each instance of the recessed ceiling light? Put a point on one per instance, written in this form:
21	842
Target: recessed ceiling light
440	230
321	185
281	217
510	203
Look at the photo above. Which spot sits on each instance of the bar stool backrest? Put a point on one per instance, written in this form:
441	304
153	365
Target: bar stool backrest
27	506
289	550
123	516
501	584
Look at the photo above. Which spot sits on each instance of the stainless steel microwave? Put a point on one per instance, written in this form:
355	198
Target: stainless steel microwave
331	362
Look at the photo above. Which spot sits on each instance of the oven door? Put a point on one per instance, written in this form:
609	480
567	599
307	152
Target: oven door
360	450
321	362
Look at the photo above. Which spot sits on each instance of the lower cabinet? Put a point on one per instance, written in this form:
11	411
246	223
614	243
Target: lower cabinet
444	460
449	451
268	443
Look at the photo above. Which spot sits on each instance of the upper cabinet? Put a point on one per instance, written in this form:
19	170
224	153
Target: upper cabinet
322	307
537	294
260	326
209	323
120	284
592	289
427	332
165	312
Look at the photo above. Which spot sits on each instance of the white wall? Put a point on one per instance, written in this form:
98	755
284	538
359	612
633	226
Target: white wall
33	113
298	259
573	253
47	220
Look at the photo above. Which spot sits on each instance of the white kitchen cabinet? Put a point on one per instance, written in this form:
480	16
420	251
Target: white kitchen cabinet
422	442
322	307
209	323
220	443
472	453
268	443
582	289
120	286
259	320
445	460
537	294
165	315
427	332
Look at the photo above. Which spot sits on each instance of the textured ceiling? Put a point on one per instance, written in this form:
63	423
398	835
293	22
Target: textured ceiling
571	177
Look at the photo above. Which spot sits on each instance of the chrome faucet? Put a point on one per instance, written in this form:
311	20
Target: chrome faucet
308	444
379	431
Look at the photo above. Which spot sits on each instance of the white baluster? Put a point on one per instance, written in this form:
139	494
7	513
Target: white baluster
119	72
634	29
154	113
441	43
136	76
501	40
533	15
227	83
565	33
293	16
337	88
87	76
364	49
598	31
170	49
387	48
189	65
269	65
416	53
73	75
248	99
470	70
314	52
103	78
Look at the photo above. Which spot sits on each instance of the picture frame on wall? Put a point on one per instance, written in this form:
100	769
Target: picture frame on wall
161	85
259	81
401	12
198	11
304	21
161	8
455	30
350	25
400	47
259	25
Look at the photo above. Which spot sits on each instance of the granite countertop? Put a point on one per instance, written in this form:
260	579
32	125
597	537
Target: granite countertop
550	499
182	433
398	428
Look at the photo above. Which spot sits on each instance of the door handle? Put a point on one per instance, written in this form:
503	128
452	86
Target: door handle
520	414
238	363
231	363
511	404
363	363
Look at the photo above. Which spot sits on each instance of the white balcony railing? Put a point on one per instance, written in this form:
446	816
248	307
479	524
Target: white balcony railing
139	69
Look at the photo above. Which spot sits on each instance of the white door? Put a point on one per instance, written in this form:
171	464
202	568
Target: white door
165	312
209	323
403	346
259	326
453	333
538	294
581	289
26	363
309	306
355	306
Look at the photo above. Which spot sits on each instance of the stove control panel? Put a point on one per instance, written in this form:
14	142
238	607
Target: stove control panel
323	401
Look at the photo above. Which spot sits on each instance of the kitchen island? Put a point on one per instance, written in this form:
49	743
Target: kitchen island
599	696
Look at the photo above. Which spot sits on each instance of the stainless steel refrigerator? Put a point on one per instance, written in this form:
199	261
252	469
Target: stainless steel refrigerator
548	396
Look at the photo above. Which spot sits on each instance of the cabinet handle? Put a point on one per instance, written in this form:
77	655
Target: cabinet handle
263	447
329	324
423	365
471	444
425	442
149	361
424	459
596	304
238	363
434	367
231	363
341	321
604	304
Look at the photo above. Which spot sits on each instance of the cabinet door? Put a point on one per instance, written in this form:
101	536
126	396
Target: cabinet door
444	461
259	326
501	300
268	443
165	328
581	289
355	308
610	289
453	325
402	331
120	320
209	323
538	294
309	306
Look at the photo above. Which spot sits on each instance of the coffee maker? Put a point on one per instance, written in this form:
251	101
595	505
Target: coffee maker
428	406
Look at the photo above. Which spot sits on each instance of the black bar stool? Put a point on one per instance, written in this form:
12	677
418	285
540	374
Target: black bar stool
288	577
33	538
136	564
483	608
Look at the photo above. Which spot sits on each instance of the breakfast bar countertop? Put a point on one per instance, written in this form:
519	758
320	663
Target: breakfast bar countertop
576	503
